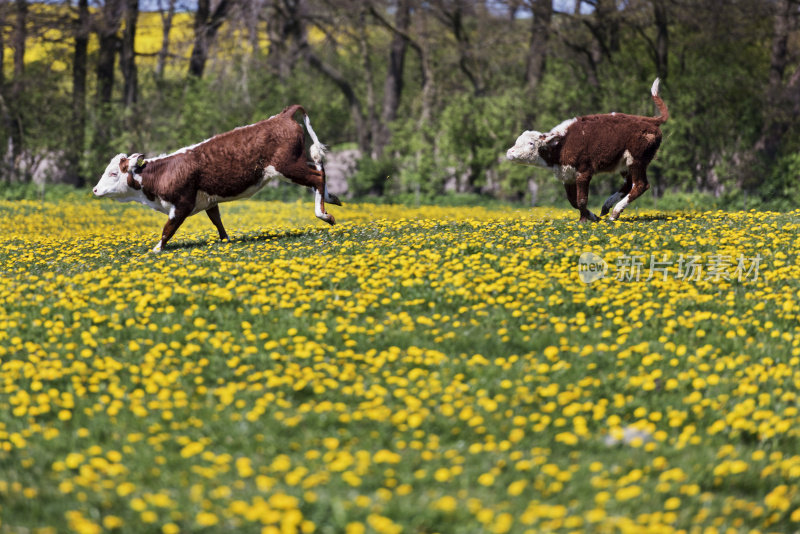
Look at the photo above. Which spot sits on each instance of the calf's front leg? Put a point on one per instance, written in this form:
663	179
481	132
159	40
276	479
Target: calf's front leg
572	195
176	218
582	197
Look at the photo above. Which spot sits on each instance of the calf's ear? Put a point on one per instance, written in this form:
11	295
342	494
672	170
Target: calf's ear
139	162
549	149
124	164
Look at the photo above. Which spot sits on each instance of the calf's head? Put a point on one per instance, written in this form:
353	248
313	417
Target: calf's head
535	148
120	178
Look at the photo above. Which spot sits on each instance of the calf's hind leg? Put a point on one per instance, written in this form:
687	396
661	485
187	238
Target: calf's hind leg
638	174
213	214
619	195
302	174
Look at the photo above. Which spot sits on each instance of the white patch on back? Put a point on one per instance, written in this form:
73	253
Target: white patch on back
191	147
561	129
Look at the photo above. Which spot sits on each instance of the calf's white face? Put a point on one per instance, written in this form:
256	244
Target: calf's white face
114	182
526	149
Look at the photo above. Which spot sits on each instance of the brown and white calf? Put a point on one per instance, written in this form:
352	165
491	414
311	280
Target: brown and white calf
580	147
228	166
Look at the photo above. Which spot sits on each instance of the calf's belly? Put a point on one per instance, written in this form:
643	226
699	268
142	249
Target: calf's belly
206	200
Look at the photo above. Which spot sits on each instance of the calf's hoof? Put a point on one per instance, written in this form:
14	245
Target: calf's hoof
610	202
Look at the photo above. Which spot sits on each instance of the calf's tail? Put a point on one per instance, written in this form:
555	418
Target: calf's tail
316	150
662	107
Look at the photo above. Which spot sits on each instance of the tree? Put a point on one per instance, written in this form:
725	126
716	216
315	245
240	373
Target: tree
394	81
401	30
781	97
454	14
127	58
107	25
541	20
207	22
13	109
79	65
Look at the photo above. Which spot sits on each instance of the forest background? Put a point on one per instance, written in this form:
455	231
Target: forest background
423	96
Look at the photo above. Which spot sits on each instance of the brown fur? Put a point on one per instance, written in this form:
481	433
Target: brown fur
226	166
596	143
603	143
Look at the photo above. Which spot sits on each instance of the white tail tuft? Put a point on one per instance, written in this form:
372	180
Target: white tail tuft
317	149
654	89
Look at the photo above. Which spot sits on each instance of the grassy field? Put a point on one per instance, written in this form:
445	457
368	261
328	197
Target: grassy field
408	370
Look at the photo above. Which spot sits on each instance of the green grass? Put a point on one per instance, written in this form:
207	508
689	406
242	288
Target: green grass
431	370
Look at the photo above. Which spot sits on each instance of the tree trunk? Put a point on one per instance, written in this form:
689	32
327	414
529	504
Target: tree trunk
107	30
166	27
393	84
452	15
109	42
374	126
19	34
206	25
349	93
74	175
661	52
2	47
421	48
298	28
778	115
127	57
537	49
5	116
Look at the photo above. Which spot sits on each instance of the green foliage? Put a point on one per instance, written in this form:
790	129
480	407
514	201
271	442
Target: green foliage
780	191
44	192
413	149
372	177
715	85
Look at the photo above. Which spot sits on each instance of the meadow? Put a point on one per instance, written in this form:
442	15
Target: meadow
432	369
